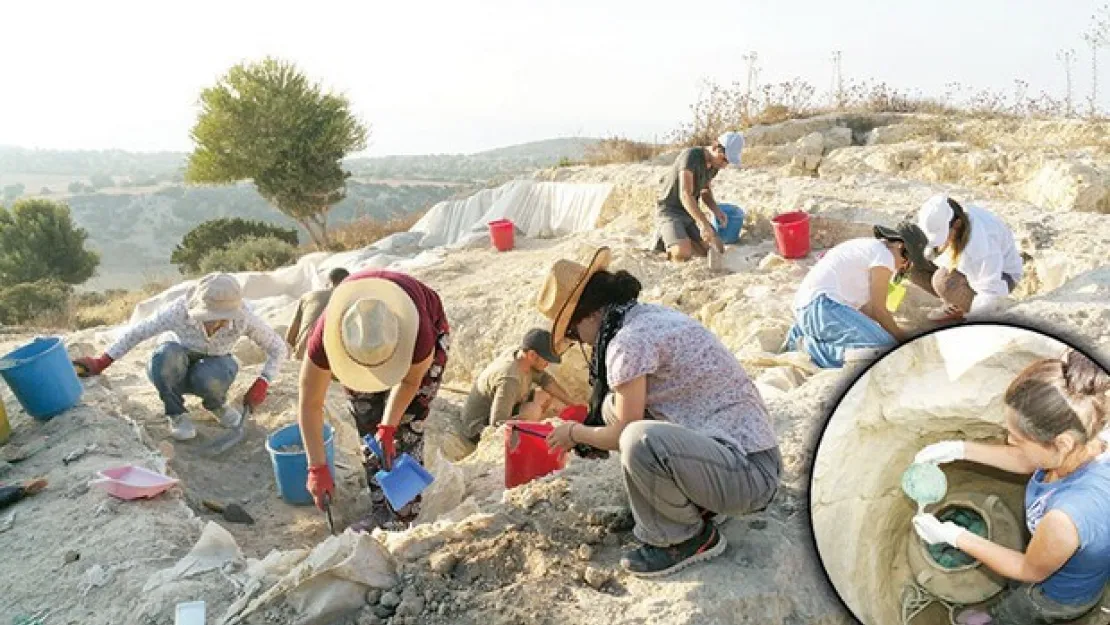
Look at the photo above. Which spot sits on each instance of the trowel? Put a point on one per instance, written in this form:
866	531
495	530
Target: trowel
223	443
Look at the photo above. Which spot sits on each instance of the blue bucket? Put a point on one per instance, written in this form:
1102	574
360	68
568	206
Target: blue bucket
405	481
291	467
731	232
42	377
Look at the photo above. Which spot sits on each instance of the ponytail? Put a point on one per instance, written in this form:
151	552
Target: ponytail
962	225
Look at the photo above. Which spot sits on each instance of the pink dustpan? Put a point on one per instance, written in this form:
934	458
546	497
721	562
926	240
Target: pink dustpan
132	482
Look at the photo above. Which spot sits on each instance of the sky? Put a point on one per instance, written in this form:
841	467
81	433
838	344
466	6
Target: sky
452	76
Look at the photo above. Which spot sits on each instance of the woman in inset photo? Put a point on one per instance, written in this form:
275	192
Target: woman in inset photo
1055	411
964	478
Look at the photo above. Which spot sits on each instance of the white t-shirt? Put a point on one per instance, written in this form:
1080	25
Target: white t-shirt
844	273
990	252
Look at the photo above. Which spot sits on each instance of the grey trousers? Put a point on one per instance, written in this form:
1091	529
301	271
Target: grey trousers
1026	604
673	474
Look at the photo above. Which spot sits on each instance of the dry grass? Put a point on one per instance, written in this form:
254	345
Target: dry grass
114	306
621	150
363	232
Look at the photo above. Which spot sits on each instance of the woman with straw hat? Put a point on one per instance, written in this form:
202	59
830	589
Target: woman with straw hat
384	335
693	433
205	323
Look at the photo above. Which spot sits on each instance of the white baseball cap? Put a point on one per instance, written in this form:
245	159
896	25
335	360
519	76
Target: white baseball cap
733	143
933	219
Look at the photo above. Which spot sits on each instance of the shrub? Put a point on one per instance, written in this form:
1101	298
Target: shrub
217	234
250	254
38	240
32	300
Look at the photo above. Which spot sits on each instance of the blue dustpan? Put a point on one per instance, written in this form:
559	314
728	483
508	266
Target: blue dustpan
407	479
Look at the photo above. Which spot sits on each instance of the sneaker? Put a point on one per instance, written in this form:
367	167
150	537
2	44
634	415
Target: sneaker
181	427
650	561
945	314
862	354
230	417
715	517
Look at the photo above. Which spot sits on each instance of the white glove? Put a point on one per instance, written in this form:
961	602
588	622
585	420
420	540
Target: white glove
932	531
939	453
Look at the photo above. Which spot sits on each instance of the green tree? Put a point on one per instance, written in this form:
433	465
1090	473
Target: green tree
30	300
39	241
218	234
268	123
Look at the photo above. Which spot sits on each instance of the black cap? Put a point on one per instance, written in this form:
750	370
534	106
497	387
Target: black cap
539	341
888	234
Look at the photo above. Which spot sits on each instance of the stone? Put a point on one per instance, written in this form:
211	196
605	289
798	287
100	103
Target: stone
383	612
369	618
596	577
1069	185
390	599
373	596
808	152
837	138
771	261
443	562
71	557
584	552
411	607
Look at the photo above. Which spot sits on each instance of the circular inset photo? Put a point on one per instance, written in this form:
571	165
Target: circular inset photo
965	478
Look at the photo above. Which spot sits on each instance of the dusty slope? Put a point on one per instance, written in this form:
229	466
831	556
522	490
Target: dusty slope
517	557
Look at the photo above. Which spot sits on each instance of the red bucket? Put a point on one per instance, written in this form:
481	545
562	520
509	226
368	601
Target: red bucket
575	413
501	234
527	456
792	234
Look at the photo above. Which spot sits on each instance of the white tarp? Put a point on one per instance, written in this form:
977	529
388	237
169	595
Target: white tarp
538	209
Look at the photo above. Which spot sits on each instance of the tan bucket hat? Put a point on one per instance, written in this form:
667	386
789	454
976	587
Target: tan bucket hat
216	297
370	334
561	291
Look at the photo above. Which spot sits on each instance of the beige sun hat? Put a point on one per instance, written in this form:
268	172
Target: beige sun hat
561	291
216	297
370	334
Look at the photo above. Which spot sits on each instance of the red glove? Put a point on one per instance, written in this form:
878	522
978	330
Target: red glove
257	393
93	366
385	438
320	483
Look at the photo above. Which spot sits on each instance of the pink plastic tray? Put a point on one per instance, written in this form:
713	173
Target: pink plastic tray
132	482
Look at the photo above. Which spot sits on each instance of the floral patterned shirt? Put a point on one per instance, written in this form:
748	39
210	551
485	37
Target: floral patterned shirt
174	318
692	378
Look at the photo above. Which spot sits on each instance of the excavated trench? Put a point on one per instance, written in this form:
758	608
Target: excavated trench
943	386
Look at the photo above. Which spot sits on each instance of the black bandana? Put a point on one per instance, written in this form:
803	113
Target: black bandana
612	318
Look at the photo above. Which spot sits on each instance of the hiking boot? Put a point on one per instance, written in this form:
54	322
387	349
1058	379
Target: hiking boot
181	427
650	561
230	417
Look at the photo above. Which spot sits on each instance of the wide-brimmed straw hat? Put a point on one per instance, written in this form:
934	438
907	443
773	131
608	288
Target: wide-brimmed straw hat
370	328
216	297
563	288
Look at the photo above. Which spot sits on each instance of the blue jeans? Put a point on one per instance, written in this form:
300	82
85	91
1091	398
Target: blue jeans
830	327
175	371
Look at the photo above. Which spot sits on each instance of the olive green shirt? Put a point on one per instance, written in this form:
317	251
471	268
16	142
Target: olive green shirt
309	309
670	198
499	389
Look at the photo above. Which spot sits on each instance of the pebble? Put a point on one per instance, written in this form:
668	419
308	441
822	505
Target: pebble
596	578
383	612
443	563
442	609
373	596
584	552
71	557
369	618
411	607
390	599
429	596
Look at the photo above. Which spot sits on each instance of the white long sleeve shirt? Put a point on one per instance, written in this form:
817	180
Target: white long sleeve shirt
174	318
990	252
